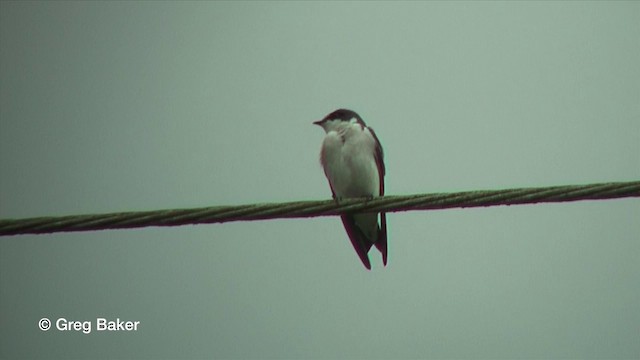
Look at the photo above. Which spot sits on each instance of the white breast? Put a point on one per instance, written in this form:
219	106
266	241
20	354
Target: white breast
348	160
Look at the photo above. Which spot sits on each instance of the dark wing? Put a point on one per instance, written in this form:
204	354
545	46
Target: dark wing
359	241
379	156
381	242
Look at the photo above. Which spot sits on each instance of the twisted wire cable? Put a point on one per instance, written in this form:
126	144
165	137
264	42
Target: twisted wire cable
306	209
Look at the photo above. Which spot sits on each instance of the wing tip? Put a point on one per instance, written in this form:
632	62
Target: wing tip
381	244
367	264
358	240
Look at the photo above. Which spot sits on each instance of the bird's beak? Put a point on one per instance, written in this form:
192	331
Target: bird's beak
317	122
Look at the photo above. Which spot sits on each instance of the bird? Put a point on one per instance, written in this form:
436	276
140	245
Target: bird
352	159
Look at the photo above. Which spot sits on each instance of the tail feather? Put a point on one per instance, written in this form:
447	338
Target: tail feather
381	242
361	244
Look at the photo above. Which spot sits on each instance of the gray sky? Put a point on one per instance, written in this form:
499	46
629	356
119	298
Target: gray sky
114	106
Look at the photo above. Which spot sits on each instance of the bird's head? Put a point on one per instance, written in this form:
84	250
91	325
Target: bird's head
338	119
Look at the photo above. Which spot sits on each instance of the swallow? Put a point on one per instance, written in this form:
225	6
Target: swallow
352	159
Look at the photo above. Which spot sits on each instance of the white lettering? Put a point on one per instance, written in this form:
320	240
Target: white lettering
117	325
63	325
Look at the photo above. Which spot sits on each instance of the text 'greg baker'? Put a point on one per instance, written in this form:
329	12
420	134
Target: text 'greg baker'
102	324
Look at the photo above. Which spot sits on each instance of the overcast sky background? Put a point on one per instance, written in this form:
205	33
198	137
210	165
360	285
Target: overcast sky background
119	106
